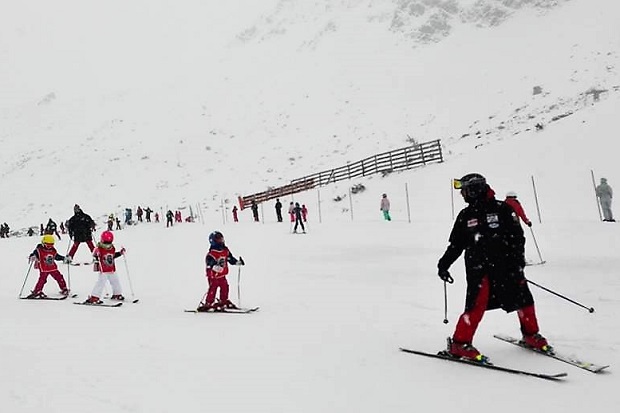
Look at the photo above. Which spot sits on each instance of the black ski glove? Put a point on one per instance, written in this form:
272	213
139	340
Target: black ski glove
445	276
240	261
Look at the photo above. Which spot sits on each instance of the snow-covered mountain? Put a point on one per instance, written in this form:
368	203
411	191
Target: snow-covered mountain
149	104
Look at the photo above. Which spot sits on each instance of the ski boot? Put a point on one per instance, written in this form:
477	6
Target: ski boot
92	300
118	297
229	305
64	292
465	351
36	295
203	308
537	342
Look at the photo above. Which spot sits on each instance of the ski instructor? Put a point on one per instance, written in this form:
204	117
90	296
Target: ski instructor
489	232
80	227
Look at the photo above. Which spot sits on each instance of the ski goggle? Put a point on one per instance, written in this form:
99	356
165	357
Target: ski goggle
457	184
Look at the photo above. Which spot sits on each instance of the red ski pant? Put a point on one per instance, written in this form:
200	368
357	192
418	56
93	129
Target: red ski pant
56	275
214	284
75	245
468	321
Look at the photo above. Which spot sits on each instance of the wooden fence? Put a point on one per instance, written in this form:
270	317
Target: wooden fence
401	159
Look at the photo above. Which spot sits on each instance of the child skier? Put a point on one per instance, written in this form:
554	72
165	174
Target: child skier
45	256
104	255
217	260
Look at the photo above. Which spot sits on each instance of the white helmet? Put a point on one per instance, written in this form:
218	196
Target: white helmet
511	194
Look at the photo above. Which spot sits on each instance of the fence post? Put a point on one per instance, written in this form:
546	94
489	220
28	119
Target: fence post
318	194
407	196
536	199
350	203
598	205
452	197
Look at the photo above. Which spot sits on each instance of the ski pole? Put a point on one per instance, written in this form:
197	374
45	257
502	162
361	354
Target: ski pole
25	279
590	309
68	266
239	285
445	302
128	278
536	245
202	300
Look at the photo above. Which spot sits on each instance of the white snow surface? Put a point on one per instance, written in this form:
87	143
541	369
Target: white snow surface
119	104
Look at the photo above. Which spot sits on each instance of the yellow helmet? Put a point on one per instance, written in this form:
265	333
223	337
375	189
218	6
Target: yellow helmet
48	239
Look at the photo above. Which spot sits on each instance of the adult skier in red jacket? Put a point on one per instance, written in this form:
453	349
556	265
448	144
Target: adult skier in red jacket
511	199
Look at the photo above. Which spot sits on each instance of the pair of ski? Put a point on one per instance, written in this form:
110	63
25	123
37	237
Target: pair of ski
226	311
62	297
573	361
106	304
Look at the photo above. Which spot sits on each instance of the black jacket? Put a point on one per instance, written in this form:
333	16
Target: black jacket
81	227
492	238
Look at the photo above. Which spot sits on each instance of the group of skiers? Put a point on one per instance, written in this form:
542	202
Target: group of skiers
487	230
80	228
4	230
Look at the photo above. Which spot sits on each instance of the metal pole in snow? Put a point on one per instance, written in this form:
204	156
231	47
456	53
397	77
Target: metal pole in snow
407	196
536	198
598	205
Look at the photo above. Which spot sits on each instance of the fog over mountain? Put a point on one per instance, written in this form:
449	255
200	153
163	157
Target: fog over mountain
152	104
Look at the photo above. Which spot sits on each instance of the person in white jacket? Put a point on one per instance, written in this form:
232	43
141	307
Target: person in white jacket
385	207
604	193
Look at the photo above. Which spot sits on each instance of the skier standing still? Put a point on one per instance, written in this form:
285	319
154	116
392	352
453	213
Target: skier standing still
278	210
217	260
298	218
45	256
489	232
80	227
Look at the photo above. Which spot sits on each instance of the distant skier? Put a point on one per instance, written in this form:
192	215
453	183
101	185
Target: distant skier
298	218
80	227
511	199
291	211
234	214
278	210
139	213
148	211
254	211
304	212
604	193
169	218
385	207
51	228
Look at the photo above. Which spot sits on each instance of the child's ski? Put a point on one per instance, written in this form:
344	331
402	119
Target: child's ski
98	305
226	311
62	297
